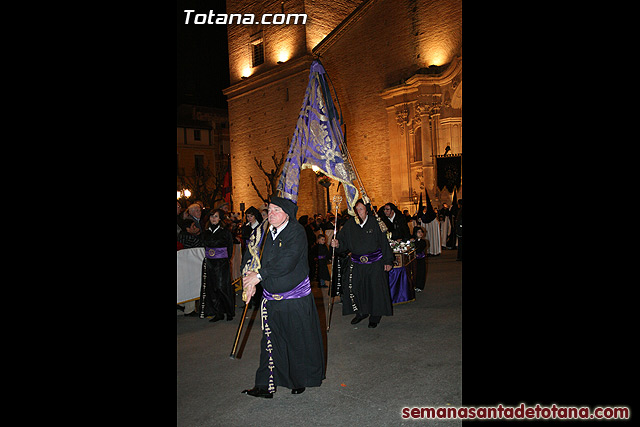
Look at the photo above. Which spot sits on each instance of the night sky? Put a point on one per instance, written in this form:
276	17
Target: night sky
202	56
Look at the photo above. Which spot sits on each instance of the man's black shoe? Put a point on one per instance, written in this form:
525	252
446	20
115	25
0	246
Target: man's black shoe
372	325
216	318
258	392
297	390
359	318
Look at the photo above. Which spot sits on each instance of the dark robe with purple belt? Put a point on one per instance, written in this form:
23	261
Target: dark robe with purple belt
365	285
421	263
291	350
217	296
320	257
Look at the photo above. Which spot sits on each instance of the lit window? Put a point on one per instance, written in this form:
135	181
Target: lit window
257	49
257	53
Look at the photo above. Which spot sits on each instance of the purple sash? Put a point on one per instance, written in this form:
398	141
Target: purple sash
215	253
367	258
302	290
420	255
321	256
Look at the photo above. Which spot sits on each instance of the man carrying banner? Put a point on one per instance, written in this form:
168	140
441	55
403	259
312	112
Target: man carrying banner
291	350
366	291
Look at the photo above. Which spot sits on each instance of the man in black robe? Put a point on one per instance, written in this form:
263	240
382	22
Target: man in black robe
396	222
366	288
291	350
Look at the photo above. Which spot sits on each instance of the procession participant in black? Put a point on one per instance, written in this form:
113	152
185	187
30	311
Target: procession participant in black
395	221
421	263
444	216
216	294
254	219
311	236
319	255
339	270
453	212
366	289
291	350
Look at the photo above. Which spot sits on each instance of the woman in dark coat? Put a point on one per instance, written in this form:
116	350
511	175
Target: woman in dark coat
216	294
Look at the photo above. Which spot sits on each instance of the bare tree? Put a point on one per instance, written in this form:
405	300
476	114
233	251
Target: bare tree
271	177
205	185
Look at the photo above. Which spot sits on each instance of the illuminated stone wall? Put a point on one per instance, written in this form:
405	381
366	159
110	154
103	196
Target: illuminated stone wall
377	54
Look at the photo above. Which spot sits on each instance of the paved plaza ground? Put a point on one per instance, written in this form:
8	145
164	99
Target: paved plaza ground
412	359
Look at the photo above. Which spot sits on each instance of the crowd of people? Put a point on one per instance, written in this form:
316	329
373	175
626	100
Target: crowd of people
223	234
431	230
296	252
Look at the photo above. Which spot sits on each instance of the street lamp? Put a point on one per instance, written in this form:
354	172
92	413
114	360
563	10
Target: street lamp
186	193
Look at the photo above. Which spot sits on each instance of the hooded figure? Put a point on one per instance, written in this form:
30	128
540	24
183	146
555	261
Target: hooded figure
291	350
432	228
247	230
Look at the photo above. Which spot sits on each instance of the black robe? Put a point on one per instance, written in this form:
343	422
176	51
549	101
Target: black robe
340	273
296	337
421	264
319	268
216	293
368	288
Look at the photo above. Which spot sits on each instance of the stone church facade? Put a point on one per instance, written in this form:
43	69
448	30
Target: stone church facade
396	67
